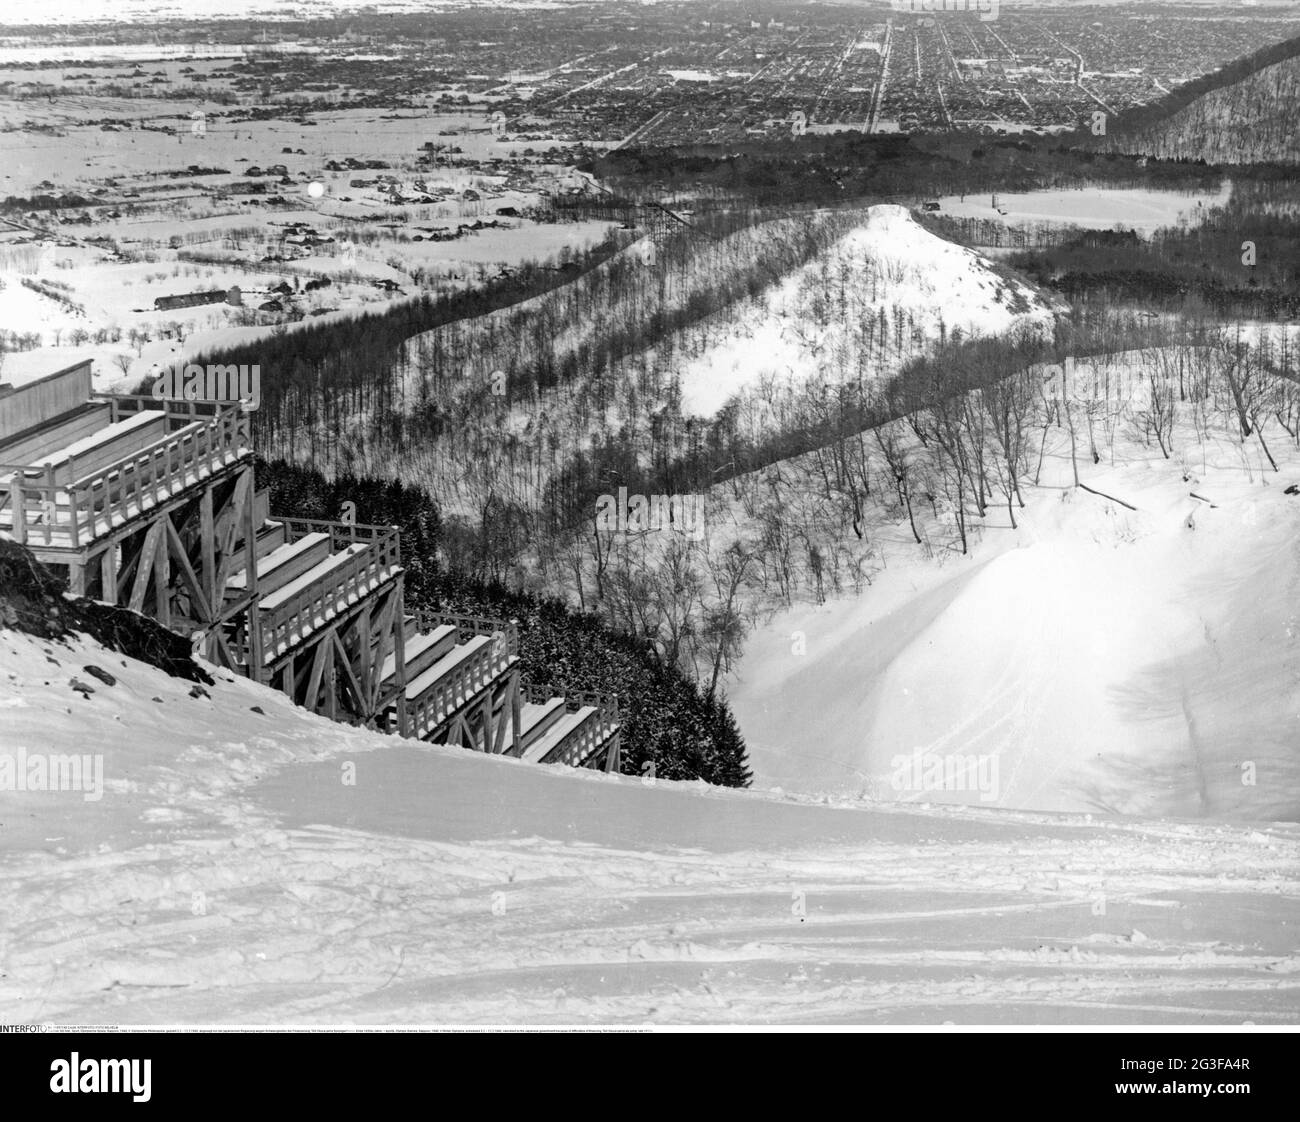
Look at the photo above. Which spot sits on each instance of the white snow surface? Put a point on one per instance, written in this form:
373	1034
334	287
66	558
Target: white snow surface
1092	208
232	874
887	265
1137	661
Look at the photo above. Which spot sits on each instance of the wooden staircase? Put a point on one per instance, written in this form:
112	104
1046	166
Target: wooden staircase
153	504
565	730
441	678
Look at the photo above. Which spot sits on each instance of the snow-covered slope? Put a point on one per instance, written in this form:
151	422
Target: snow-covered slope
888	290
272	867
1141	661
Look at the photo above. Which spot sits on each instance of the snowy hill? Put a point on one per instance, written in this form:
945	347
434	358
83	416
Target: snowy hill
887	291
272	867
1096	657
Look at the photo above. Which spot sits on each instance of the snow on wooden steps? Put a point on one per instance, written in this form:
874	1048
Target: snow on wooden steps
535	719
317	573
421	651
284	563
422	683
557	734
104	447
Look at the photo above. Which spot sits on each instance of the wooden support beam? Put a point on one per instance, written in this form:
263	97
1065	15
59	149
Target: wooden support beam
256	652
399	656
485	722
108	574
383	627
324	653
250	528
18	507
331	681
360	665
233	516
132	553
162	575
224	515
144	566
507	701
360	697
516	730
187	573
247	488
208	546
77	578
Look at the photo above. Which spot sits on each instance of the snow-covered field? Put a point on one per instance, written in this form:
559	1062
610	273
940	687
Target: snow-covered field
273	867
77	153
1098	208
165	179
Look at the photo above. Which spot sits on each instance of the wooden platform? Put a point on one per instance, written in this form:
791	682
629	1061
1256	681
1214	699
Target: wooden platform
152	504
66	497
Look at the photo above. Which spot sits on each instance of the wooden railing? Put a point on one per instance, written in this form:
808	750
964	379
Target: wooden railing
291	620
341	534
455	690
503	632
536	695
123	405
588	737
42	509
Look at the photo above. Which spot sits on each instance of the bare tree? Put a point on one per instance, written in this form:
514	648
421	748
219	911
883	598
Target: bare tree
1250	390
726	622
1009	403
899	462
1157	419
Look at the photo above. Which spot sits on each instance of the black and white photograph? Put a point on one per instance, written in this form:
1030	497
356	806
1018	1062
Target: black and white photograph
637	516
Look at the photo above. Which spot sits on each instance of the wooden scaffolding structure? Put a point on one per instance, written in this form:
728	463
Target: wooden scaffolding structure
152	505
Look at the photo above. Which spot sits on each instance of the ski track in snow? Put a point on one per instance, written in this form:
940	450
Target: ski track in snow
431	891
329	924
